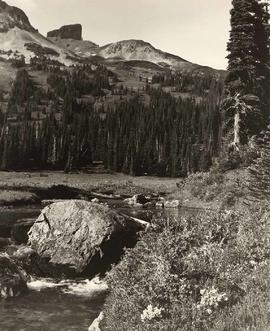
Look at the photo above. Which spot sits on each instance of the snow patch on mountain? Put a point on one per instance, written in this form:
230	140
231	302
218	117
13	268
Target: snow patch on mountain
14	43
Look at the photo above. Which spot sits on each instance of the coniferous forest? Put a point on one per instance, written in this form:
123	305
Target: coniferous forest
148	131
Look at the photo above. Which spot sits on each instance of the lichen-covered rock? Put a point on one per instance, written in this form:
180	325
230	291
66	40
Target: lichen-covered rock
95	200
12	279
79	234
172	204
160	204
137	200
95	326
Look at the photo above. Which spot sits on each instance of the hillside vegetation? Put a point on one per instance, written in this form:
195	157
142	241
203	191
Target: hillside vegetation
69	117
208	272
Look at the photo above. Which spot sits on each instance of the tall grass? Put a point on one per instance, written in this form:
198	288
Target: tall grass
202	272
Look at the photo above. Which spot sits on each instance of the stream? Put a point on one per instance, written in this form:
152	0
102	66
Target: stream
62	305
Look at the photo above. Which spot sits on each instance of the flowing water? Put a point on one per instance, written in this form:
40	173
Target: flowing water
10	216
57	305
53	307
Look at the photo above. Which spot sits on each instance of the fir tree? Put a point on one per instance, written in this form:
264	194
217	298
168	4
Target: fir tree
248	81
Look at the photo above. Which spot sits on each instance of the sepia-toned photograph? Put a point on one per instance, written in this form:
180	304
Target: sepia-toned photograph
134	165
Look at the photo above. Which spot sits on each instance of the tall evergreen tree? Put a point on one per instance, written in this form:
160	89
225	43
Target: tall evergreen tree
248	81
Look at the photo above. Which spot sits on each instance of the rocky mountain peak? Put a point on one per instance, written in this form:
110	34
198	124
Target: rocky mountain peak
140	50
11	17
71	31
128	46
18	38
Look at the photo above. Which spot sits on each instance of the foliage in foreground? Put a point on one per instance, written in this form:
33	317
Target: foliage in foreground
202	272
213	189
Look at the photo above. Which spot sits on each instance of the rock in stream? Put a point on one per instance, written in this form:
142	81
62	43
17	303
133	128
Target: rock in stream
81	237
12	279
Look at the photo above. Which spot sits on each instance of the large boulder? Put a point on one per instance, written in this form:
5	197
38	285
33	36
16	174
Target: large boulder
80	236
12	279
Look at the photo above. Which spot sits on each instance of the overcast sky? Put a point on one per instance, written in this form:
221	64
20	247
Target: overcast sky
196	30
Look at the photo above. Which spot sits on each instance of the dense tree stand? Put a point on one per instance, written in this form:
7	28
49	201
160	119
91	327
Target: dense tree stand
247	87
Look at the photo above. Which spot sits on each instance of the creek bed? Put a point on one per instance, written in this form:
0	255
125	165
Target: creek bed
50	307
62	305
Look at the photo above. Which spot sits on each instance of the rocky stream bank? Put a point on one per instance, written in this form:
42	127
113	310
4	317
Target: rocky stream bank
70	236
70	239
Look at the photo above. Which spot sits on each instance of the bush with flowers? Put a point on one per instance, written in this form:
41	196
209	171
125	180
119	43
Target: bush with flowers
185	274
151	313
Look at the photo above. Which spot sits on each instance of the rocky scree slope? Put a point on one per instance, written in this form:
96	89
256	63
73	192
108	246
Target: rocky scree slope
19	38
70	38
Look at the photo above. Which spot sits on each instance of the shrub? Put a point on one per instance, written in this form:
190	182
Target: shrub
235	160
252	313
206	186
185	274
230	162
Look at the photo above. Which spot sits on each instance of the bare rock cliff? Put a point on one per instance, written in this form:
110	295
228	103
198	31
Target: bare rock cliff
73	31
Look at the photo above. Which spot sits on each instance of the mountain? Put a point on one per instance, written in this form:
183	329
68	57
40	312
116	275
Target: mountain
140	50
67	117
125	50
11	17
70	38
82	48
19	38
72	31
131	52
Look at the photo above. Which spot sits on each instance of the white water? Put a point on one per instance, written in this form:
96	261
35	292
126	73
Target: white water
51	305
87	288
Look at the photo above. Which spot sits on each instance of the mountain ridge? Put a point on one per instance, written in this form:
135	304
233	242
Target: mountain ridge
136	49
18	38
11	16
71	31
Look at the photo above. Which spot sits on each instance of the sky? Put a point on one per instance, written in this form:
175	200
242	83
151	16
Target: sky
196	30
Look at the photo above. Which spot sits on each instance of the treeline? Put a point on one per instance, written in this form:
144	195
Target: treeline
165	136
49	144
168	138
81	80
197	83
